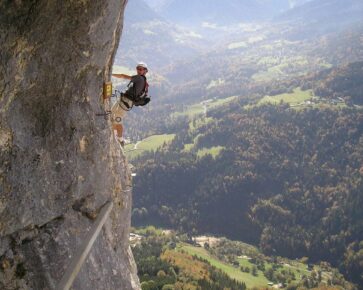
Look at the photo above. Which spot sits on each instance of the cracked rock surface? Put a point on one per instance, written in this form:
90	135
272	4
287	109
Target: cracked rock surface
59	163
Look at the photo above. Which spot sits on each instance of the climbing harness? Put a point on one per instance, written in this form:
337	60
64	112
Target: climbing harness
121	100
125	102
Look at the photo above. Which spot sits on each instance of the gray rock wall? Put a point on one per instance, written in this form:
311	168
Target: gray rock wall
58	161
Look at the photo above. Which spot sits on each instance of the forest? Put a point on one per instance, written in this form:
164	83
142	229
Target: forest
287	180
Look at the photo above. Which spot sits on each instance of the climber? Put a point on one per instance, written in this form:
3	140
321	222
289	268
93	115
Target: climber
137	89
136	94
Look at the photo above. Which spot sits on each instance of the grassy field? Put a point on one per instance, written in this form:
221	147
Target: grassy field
235	45
297	99
148	230
151	143
199	109
233	272
191	111
220	102
294	98
188	147
214	151
296	267
277	67
154	142
271	73
198	122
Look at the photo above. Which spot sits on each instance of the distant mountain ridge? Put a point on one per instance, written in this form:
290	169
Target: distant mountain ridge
147	36
328	11
322	17
140	11
221	12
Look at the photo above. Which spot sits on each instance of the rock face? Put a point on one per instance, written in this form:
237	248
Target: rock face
59	163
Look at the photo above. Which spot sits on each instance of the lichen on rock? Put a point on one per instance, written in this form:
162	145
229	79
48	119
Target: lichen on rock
58	161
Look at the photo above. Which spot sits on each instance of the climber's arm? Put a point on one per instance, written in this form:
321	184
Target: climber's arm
122	76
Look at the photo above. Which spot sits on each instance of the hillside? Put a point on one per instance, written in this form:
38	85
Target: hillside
337	85
280	180
255	62
147	36
257	136
220	61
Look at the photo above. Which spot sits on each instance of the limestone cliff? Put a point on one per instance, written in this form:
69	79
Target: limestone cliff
58	161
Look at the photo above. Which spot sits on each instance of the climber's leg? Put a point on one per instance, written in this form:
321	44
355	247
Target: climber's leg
118	129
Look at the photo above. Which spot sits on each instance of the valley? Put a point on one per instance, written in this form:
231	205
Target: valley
254	131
